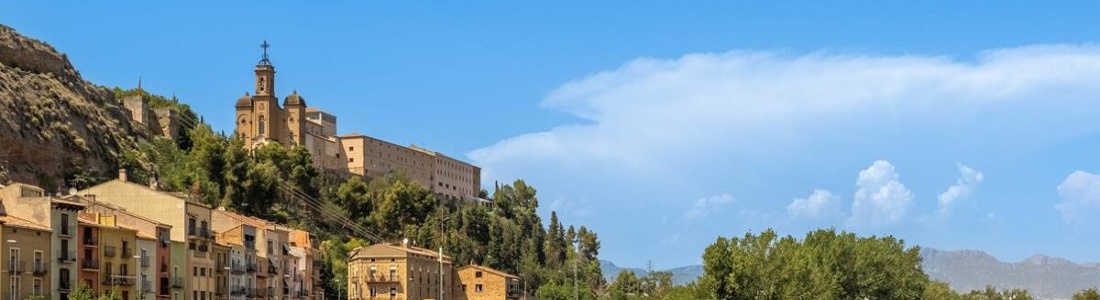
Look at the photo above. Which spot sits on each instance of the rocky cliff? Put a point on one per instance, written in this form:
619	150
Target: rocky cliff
53	124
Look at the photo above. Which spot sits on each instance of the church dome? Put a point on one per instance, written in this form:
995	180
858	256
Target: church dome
245	101
294	99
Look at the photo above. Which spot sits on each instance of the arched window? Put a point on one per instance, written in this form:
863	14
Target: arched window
262	123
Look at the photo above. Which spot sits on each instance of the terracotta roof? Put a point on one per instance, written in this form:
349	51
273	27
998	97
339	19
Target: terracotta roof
406	249
19	222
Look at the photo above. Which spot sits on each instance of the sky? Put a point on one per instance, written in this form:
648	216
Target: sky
663	125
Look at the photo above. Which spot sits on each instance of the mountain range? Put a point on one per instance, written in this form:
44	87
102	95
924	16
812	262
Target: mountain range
964	270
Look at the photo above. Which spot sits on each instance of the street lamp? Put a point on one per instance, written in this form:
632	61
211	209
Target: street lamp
443	239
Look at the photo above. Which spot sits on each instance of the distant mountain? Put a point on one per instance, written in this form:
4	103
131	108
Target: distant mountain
681	275
1043	276
964	270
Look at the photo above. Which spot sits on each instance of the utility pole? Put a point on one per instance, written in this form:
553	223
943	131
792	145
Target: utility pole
576	294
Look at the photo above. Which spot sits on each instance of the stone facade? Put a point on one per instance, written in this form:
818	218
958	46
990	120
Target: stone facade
397	272
161	121
483	283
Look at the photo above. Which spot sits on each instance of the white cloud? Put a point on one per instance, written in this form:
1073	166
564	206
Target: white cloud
881	199
656	116
1080	194
819	205
968	179
704	206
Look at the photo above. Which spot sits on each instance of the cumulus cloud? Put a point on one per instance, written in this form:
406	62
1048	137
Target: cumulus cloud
968	179
881	199
819	205
704	206
1080	194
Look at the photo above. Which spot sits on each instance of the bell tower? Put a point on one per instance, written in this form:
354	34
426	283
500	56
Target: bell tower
265	75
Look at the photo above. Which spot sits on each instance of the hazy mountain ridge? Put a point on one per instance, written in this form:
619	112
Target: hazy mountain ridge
1043	276
964	270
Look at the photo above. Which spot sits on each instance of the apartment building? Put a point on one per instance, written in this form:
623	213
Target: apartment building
27	247
221	270
398	272
118	261
305	278
241	240
152	248
483	283
190	258
88	255
32	204
271	243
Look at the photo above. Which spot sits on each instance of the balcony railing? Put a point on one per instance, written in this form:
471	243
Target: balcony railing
127	252
15	266
272	270
40	268
219	290
251	267
109	251
259	292
145	261
67	231
90	264
116	279
381	278
146	286
177	282
219	266
90	241
66	256
236	268
238	290
203	248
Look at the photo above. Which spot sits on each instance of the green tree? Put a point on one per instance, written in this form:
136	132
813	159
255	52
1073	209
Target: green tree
1089	294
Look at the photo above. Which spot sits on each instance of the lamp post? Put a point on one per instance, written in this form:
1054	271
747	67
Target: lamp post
443	239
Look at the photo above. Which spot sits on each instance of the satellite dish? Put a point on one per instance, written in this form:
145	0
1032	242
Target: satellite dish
72	191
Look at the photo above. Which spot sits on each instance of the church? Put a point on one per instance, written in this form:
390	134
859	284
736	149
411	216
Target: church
261	119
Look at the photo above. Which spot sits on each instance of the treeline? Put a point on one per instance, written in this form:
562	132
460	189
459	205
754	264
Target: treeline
824	264
281	185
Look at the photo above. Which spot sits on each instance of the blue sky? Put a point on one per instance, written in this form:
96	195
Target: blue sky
662	124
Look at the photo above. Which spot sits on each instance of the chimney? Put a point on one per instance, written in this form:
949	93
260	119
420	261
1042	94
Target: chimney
122	174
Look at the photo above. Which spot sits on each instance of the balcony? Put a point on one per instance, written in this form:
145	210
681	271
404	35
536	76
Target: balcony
90	241
237	268
219	290
65	284
109	251
238	290
383	279
165	288
251	267
127	252
146	286
15	266
177	282
259	292
66	256
271	269
145	262
206	233
40	268
90	264
66	231
115	279
203	248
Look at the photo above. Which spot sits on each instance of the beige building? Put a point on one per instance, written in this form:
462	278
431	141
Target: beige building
191	260
397	271
118	270
483	283
261	119
270	251
30	203
26	266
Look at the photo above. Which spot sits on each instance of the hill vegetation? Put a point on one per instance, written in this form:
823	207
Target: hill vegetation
56	130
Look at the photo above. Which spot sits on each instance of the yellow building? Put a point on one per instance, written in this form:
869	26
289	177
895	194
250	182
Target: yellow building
118	259
30	203
271	243
398	272
152	249
191	262
483	283
221	270
26	266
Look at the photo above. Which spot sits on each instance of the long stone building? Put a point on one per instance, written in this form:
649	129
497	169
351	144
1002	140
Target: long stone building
261	119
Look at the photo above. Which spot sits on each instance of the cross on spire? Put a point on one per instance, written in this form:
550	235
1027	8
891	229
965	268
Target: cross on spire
265	61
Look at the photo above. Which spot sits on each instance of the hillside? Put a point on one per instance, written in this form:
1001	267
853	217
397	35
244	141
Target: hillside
1044	276
53	124
681	275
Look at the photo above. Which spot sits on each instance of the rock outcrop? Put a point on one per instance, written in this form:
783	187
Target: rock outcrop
52	121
